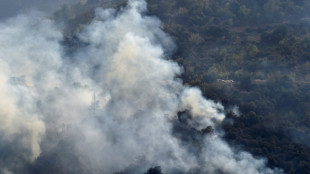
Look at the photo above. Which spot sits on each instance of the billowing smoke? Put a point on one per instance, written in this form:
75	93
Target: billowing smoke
114	105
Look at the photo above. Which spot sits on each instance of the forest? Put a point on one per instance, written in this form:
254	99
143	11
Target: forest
254	54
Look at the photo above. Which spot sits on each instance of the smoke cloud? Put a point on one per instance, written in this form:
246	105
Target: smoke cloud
115	105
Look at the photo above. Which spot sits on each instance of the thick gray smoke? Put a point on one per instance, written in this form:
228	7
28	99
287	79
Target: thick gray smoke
113	106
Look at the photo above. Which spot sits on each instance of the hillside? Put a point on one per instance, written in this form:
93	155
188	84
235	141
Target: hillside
251	54
263	48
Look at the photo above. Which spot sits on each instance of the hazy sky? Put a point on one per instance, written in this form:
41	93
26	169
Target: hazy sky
12	7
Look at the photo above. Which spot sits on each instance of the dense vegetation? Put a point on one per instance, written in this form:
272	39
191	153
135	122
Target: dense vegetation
253	54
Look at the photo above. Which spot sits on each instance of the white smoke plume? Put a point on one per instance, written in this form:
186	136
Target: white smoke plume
114	106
